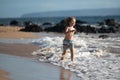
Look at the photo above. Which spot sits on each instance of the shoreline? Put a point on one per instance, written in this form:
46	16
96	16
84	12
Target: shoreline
26	58
13	44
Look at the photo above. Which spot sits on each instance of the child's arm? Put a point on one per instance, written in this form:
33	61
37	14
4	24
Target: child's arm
73	30
66	30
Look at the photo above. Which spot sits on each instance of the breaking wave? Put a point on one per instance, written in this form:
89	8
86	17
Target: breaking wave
93	58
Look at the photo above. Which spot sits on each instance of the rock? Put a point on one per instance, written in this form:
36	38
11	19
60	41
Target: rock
47	25
103	36
14	23
59	27
31	27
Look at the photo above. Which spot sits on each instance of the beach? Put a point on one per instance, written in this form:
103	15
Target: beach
60	40
95	58
16	53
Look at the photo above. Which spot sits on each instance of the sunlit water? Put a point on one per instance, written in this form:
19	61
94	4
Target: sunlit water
95	58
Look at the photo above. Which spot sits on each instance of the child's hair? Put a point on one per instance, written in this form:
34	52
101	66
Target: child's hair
68	20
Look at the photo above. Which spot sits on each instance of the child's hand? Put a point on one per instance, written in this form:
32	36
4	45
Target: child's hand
72	30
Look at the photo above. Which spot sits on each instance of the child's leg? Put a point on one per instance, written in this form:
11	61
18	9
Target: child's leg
63	55
72	53
64	52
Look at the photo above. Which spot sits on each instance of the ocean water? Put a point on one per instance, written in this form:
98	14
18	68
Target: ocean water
95	58
41	20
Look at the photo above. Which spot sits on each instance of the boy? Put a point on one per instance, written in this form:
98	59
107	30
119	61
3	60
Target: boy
68	40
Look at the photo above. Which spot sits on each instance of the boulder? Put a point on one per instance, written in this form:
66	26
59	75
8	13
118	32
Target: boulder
14	23
59	27
47	25
31	27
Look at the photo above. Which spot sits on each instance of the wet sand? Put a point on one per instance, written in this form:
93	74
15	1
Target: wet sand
3	75
23	50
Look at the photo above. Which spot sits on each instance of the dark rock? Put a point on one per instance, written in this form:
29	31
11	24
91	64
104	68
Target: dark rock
31	27
47	25
1	24
103	36
59	27
87	28
110	22
14	23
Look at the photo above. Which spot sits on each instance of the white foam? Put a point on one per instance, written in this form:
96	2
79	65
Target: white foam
91	62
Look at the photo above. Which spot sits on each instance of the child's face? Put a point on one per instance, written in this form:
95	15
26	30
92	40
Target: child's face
72	23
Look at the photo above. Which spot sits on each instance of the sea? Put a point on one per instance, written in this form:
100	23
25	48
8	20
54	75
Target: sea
41	20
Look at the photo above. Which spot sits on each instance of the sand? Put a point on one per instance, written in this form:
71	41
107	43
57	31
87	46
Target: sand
14	32
3	75
14	49
23	50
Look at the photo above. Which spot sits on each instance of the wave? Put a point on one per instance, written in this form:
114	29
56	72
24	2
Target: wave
93	59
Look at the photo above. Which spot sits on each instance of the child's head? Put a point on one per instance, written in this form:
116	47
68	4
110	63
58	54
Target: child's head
70	21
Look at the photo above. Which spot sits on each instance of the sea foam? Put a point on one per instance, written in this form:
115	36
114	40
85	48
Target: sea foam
92	61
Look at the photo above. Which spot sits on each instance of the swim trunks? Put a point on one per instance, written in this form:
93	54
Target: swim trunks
68	44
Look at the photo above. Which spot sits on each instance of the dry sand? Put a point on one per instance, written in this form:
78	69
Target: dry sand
14	32
16	49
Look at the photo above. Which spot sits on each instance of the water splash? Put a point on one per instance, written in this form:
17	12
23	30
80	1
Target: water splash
92	60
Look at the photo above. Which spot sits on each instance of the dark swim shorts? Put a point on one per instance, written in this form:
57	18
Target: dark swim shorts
67	44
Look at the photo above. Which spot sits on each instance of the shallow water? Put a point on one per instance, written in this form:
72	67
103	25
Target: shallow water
94	59
27	69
